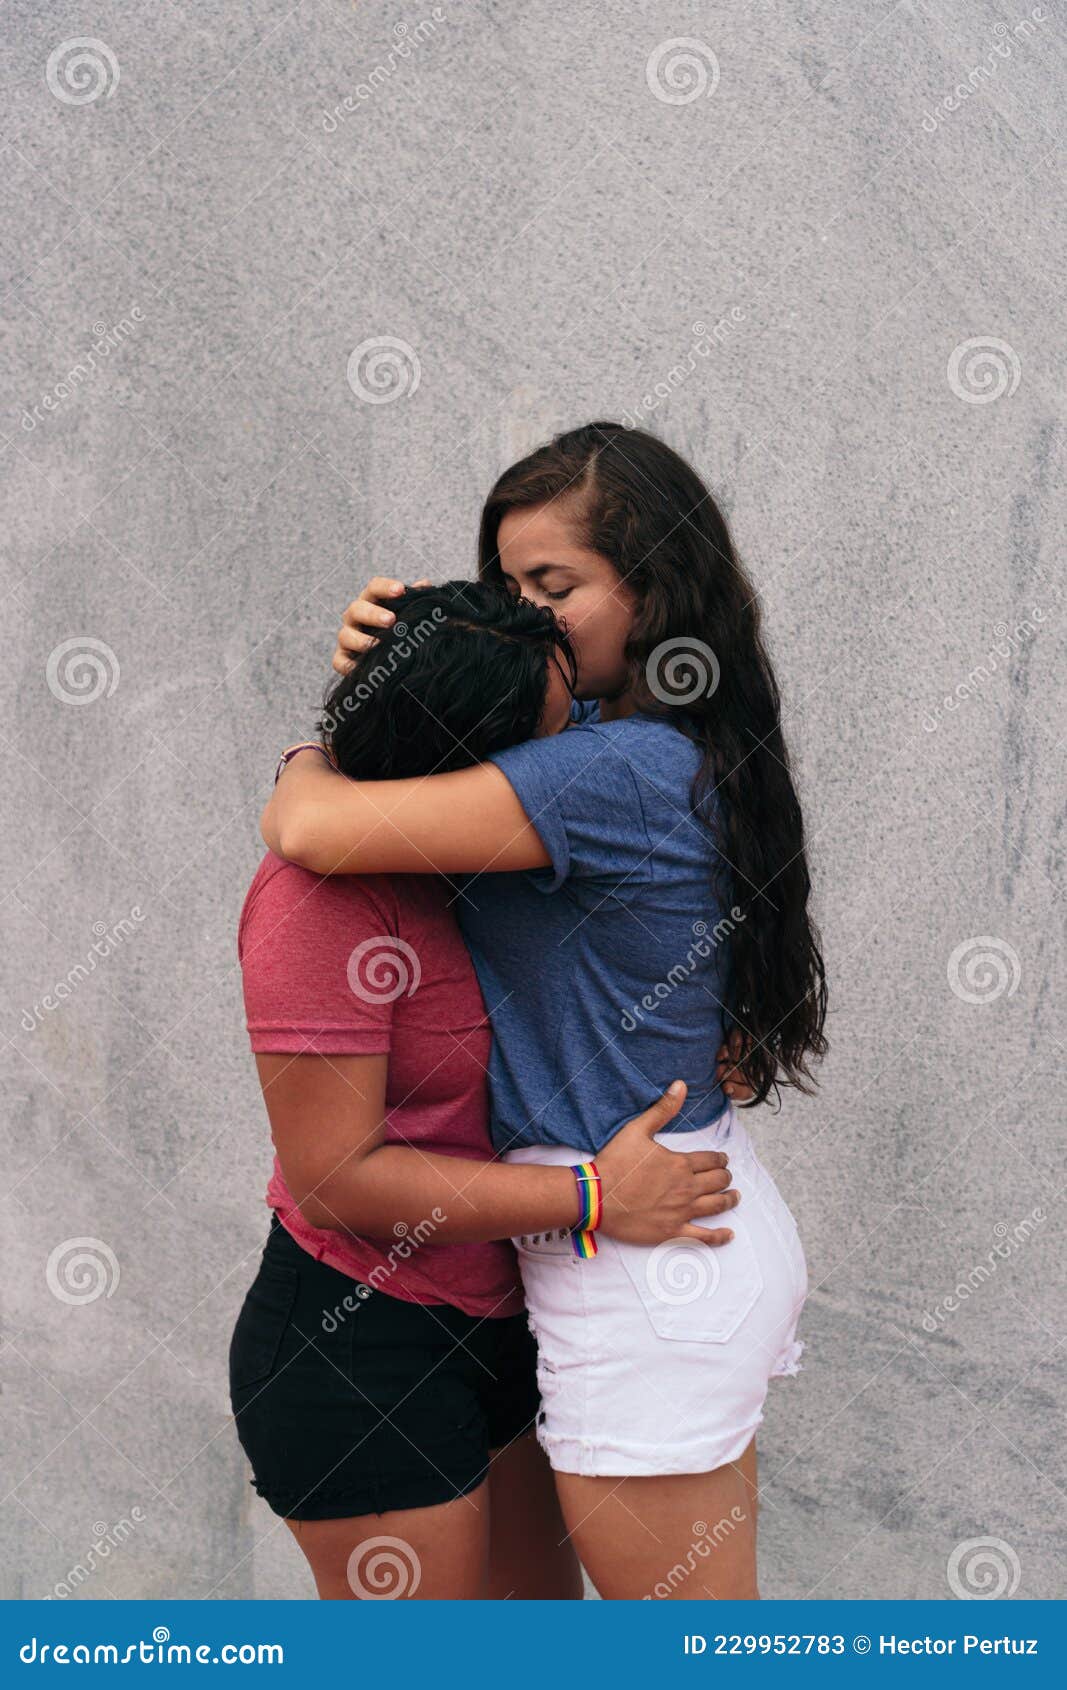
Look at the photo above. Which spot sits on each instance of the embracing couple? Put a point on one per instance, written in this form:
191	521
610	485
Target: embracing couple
534	915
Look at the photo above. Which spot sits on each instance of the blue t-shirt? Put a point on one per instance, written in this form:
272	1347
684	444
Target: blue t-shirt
604	974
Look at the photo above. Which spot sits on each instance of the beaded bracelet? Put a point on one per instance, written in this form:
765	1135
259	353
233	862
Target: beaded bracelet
583	1236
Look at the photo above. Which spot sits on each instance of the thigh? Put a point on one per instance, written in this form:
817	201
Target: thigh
429	1554
680	1537
530	1555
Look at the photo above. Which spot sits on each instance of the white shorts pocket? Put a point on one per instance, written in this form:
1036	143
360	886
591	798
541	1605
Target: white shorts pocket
696	1293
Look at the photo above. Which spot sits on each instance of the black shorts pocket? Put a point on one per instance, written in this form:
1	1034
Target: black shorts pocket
262	1323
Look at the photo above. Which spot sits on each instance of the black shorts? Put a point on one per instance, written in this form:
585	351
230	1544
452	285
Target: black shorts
371	1405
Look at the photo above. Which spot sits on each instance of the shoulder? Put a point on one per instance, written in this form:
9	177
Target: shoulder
284	898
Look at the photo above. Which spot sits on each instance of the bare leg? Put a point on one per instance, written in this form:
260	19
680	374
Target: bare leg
681	1537
530	1557
428	1554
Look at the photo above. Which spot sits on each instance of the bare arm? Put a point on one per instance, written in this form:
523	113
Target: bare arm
465	821
327	1119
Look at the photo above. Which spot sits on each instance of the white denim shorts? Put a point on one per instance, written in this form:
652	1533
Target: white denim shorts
658	1360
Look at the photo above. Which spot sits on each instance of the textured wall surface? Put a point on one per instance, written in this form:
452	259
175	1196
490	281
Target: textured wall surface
820	248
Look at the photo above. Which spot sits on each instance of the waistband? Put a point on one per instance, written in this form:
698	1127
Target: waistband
726	1132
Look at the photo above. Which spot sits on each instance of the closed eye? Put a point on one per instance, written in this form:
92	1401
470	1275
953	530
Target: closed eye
558	596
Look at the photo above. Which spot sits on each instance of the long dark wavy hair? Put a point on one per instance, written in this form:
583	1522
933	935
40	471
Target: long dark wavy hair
463	672
697	619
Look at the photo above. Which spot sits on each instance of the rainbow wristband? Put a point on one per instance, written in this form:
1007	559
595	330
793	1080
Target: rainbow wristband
583	1236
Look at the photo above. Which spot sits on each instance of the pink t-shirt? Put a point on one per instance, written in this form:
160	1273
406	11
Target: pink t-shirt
362	964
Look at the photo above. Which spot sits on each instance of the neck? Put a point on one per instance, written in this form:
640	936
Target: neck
614	709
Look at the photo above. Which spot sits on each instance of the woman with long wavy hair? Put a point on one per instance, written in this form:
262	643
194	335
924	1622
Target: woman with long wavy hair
633	890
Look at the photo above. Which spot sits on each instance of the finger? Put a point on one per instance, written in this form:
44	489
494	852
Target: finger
665	1108
425	582
713	1235
353	639
704	1184
702	1161
342	663
382	587
717	1204
366	614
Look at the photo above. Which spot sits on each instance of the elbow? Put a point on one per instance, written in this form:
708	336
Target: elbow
297	838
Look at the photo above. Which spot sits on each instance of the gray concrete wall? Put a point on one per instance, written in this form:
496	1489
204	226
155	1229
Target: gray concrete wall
838	288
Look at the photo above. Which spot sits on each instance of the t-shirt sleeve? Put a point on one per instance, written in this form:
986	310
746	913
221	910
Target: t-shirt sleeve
314	959
582	797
